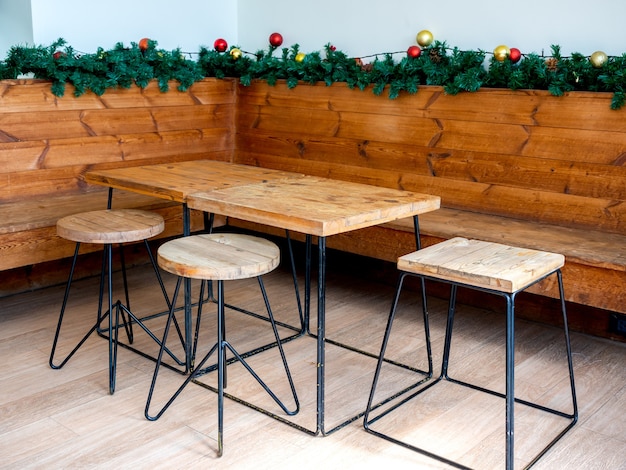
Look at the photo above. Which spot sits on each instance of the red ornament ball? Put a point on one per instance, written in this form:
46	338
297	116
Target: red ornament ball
58	54
276	39
143	44
414	52
515	54
220	45
332	48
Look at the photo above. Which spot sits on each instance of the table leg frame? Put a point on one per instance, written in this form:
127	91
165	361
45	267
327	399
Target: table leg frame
320	336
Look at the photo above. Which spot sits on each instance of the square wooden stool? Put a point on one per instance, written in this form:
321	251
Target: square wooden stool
489	267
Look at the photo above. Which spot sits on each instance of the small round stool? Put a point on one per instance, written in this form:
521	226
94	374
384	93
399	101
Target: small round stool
218	258
489	267
108	227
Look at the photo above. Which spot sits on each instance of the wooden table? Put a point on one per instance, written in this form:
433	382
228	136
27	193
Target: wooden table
316	207
175	181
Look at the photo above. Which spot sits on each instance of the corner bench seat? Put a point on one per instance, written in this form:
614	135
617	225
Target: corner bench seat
28	227
590	247
595	261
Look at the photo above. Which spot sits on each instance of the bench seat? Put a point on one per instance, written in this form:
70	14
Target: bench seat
595	261
28	227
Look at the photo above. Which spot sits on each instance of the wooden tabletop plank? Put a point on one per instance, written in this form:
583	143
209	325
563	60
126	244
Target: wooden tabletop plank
316	206
175	181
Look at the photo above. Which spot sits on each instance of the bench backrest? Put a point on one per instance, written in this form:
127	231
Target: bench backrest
522	154
48	142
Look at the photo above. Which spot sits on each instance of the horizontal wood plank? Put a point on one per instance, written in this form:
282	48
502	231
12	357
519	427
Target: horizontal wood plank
38	245
47	143
591	179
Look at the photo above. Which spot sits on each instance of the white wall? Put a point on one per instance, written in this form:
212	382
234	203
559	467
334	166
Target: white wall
87	25
15	24
357	28
369	27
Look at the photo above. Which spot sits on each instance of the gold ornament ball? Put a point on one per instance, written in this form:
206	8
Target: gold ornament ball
598	59
300	56
501	52
424	38
235	53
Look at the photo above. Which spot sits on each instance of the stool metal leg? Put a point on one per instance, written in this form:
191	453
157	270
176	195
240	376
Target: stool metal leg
123	314
112	328
221	367
128	325
61	316
425	376
99	318
448	340
219	348
127	315
508	396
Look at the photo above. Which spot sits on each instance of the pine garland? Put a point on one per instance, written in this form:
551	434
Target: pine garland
455	70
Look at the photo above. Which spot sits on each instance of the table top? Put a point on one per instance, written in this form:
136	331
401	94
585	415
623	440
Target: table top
315	206
175	181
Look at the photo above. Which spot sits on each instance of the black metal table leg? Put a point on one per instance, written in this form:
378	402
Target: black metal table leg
321	333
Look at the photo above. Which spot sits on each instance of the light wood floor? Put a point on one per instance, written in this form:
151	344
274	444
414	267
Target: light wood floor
66	418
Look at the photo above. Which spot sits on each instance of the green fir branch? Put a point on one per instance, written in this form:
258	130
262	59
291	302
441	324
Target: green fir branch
455	70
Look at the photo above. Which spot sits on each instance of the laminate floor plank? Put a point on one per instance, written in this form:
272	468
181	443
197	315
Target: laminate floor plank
66	418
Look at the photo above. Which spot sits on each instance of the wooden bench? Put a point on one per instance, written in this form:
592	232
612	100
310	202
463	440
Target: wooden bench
28	227
522	168
47	143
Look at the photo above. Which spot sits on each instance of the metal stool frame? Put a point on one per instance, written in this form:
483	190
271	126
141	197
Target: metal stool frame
118	307
509	394
220	348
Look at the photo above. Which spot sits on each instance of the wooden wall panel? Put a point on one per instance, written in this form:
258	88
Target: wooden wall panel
26	96
20	156
48	142
517	154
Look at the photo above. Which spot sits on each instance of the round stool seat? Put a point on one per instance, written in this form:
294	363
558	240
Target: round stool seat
219	256
110	226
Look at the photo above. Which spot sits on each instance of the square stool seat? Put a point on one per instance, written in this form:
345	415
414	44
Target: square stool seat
489	267
482	264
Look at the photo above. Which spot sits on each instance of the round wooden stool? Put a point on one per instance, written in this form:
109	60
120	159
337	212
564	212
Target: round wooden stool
108	227
220	257
489	267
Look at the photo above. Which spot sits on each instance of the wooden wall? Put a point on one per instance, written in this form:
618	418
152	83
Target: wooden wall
513	153
523	154
47	142
519	167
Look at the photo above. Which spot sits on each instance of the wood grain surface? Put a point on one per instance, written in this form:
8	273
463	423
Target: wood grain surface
482	264
110	226
219	256
315	206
